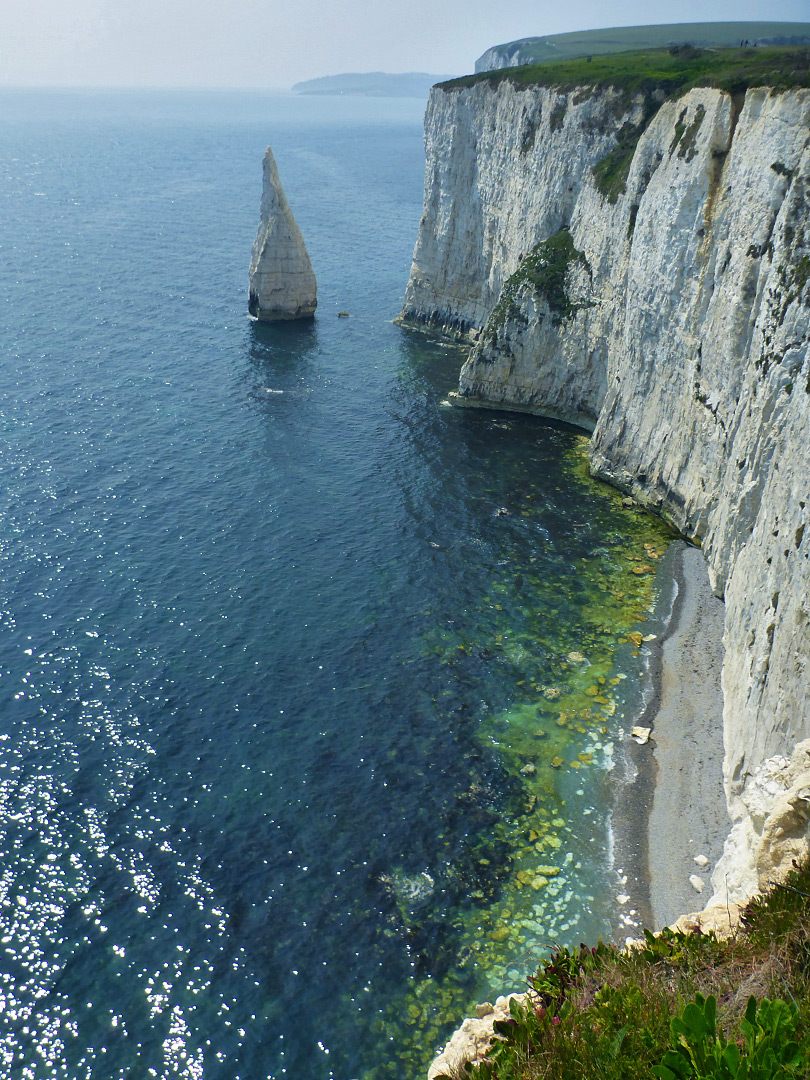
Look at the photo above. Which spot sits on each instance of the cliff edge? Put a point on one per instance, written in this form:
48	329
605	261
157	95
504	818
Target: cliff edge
637	261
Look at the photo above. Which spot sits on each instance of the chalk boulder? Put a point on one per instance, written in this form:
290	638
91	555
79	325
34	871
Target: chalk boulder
282	281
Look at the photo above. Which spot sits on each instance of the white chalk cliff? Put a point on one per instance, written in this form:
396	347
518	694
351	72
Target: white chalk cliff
670	317
282	281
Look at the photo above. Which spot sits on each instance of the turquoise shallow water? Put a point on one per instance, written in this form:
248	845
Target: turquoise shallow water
272	658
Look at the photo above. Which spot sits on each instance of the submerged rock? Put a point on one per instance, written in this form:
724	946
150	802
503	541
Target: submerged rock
282	281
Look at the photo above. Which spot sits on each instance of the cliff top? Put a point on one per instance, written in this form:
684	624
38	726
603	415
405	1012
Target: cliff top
537	50
673	70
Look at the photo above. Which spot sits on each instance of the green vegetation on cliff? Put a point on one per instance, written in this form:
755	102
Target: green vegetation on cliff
545	269
537	50
679	1006
673	71
647	80
610	174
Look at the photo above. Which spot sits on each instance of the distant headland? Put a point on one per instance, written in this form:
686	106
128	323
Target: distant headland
372	84
537	50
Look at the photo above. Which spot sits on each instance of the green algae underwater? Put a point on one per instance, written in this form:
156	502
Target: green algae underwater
567	634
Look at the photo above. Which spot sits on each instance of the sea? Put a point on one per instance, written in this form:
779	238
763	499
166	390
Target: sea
312	687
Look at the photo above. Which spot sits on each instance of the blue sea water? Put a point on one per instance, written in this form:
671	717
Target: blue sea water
273	658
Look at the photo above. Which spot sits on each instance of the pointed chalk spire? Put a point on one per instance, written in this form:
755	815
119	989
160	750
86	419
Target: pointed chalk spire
282	281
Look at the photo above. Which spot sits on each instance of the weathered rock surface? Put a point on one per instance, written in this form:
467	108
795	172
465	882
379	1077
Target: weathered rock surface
676	328
772	832
282	281
471	1041
504	171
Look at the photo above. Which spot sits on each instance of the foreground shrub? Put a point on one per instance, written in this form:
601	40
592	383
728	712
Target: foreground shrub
675	1007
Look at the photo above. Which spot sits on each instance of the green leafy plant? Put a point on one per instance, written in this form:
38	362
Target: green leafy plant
605	1013
702	1051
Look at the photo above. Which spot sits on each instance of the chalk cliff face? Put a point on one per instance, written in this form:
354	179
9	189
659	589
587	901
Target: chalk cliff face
666	308
502	56
282	281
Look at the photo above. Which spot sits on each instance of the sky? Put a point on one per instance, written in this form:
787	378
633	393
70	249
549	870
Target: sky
274	43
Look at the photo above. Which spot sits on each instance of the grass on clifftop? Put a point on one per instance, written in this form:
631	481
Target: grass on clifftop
672	70
612	39
681	1006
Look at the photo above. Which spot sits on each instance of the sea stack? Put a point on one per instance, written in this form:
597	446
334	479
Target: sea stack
282	281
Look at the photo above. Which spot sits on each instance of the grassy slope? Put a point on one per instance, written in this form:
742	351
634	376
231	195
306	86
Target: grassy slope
675	72
603	1014
625	38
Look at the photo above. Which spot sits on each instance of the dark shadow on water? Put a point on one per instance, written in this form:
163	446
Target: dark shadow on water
282	340
277	358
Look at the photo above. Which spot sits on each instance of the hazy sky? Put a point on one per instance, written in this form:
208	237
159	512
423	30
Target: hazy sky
274	43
